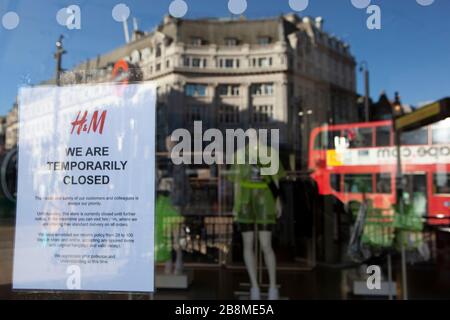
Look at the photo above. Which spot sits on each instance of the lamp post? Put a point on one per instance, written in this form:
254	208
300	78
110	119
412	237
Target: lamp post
364	67
398	112
58	57
305	125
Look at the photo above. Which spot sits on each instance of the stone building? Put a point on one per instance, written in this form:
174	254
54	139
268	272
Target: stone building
12	128
2	134
284	72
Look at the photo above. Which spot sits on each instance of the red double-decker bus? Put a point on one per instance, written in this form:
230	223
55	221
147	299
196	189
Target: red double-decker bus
352	160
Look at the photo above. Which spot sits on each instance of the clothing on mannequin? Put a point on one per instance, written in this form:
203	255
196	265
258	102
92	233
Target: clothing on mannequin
174	193
167	223
257	203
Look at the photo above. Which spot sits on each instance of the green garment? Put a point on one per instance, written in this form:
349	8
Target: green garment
253	199
166	217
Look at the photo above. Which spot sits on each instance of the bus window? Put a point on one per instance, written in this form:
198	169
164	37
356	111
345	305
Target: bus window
441	135
383	136
359	137
325	140
358	183
416	137
383	183
441	183
335	181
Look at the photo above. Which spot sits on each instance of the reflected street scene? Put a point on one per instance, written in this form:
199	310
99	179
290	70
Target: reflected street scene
225	150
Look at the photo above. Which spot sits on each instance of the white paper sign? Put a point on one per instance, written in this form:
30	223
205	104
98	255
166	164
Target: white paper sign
85	201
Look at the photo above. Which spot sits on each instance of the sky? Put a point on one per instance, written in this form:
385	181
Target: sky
409	54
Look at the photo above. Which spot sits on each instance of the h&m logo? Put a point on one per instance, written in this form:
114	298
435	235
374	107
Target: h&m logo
94	124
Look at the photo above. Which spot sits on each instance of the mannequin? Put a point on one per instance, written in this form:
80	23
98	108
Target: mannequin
257	202
169	267
167	225
178	187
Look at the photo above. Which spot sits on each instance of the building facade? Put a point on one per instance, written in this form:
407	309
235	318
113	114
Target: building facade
284	72
12	128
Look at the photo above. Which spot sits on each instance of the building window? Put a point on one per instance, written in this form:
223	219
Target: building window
264	62
196	41
195	90
158	51
235	90
229	63
263	41
158	67
187	61
228	114
262	114
168	64
146	53
222	90
261	89
228	90
196	62
195	113
231	42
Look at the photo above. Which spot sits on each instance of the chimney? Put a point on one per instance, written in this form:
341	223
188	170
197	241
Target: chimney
168	19
319	23
137	34
306	20
292	18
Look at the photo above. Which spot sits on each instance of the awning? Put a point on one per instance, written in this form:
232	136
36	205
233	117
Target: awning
425	116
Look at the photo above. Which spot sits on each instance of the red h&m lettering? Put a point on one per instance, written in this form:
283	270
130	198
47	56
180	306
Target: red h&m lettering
96	123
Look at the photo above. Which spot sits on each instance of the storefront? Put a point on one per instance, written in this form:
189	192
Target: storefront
219	158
